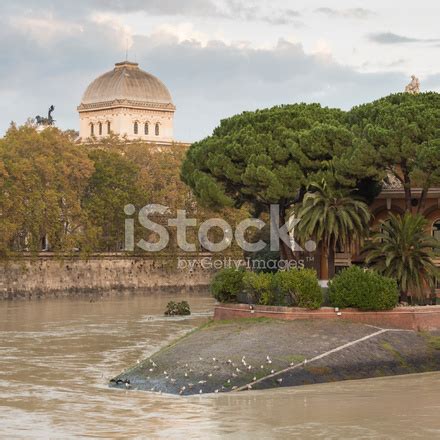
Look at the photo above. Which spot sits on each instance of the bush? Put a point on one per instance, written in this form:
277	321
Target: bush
259	287
301	286
365	290
181	308
226	284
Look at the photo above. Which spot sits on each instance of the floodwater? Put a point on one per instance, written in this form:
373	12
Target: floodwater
57	355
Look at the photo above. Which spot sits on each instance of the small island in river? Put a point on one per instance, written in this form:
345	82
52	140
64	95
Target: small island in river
260	353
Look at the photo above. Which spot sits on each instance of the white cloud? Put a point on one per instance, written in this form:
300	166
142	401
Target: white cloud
392	38
182	32
46	28
353	13
322	48
113	22
216	61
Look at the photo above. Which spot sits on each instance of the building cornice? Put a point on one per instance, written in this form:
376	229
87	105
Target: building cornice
126	103
399	192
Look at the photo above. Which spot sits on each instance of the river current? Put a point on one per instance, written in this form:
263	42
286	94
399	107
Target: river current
57	355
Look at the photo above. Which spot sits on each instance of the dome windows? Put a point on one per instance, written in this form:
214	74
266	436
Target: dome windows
144	128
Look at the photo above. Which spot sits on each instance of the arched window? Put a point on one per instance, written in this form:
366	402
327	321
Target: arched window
100	128
436	229
146	128
109	127
136	128
157	130
92	129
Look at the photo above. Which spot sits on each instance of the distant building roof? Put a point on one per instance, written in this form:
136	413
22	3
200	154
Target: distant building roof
126	84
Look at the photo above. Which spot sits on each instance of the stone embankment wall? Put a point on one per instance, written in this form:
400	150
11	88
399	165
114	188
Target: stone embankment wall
27	277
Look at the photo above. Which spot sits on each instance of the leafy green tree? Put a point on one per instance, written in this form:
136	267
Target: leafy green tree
113	185
269	157
42	178
334	218
399	136
404	251
159	182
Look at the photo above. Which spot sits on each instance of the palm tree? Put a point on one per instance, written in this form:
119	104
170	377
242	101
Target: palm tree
332	217
403	250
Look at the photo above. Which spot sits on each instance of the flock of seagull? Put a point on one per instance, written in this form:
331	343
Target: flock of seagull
242	367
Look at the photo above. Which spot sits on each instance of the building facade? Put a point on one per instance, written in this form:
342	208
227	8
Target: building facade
391	200
129	103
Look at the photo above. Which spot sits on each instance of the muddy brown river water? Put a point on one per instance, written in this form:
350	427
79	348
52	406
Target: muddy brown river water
57	355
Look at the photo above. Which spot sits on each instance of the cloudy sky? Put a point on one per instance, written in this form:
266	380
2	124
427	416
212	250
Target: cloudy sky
217	57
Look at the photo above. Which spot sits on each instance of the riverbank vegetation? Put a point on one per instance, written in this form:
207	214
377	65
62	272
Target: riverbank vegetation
404	251
325	166
363	289
322	165
60	196
352	287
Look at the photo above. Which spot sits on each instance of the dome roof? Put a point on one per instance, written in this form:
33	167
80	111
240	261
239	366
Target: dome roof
126	84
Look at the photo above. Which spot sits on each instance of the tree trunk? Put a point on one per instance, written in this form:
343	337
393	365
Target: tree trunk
286	252
408	205
324	262
422	200
403	297
331	262
407	189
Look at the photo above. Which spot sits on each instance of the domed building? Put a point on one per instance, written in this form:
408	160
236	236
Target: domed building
127	101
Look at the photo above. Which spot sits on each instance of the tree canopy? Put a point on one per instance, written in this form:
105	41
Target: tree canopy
71	197
42	178
270	156
113	185
399	136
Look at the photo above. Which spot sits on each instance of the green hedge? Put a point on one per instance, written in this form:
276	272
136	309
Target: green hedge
301	286
294	287
227	284
259	287
363	289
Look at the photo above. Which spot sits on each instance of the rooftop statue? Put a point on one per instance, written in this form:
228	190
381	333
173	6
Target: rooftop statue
46	121
414	86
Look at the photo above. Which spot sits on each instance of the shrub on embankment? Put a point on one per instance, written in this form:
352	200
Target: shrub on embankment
294	287
300	286
363	289
227	284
